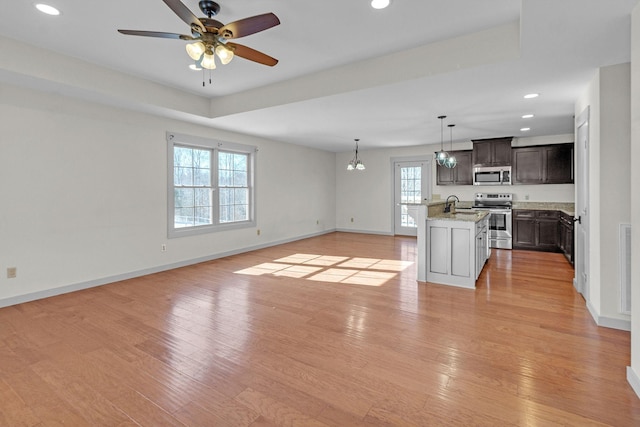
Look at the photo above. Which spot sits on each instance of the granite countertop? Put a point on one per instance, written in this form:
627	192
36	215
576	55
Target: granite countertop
567	208
462	204
459	216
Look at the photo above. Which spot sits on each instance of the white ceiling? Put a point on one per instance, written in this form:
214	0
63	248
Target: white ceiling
348	71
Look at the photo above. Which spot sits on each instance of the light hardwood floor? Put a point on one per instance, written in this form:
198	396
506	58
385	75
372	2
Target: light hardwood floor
332	330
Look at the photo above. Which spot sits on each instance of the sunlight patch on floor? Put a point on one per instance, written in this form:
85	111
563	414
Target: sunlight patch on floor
332	269
297	271
264	268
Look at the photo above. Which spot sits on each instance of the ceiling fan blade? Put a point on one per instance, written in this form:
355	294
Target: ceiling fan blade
156	34
252	54
248	26
185	14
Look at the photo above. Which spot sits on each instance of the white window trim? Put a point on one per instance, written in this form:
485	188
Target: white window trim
174	139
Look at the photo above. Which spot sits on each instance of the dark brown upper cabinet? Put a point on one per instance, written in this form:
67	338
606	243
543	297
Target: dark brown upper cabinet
492	152
462	174
543	164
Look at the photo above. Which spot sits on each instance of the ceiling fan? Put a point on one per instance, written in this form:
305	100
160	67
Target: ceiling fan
211	36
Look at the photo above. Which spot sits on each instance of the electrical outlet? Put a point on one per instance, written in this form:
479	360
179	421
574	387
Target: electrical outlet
258	231
526	197
12	272
163	247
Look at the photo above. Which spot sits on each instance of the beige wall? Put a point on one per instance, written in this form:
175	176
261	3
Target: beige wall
614	183
608	100
84	194
633	373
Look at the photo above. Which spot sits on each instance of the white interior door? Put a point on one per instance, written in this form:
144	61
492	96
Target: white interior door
582	205
411	187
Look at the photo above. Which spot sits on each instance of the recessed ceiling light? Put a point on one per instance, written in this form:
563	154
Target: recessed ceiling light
49	10
531	95
527	116
379	4
525	129
194	67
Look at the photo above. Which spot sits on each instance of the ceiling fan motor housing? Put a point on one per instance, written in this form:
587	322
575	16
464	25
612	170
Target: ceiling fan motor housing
209	8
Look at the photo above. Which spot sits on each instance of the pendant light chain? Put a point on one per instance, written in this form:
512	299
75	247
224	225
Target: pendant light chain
451	161
442	156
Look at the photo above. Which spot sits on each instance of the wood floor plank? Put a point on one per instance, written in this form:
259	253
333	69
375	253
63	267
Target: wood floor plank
45	400
13	410
332	330
89	403
275	411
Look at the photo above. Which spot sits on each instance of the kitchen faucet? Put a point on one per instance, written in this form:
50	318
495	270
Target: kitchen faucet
447	205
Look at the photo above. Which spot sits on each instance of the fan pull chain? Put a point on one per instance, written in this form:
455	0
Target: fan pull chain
203	77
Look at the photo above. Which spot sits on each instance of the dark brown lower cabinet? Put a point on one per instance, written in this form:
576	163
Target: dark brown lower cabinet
536	230
524	229
566	236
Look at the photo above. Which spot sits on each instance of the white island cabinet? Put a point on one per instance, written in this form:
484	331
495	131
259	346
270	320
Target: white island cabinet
452	248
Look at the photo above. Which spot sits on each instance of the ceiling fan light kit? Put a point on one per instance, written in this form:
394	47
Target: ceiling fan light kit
224	53
208	61
195	50
210	37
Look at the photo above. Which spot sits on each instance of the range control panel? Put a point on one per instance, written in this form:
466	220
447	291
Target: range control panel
503	197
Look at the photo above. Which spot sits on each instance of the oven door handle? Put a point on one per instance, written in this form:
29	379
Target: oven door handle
493	210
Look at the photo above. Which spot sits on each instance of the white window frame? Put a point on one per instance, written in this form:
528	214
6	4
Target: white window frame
216	146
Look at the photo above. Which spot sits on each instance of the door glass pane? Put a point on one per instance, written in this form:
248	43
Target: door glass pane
410	187
410	192
411	184
406	219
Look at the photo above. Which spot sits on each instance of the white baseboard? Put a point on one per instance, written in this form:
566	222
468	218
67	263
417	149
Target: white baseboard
633	380
19	299
349	230
609	322
613	323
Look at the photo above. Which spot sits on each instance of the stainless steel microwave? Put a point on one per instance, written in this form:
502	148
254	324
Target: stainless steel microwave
492	175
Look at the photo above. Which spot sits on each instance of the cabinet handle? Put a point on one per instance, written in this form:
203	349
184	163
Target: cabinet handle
578	220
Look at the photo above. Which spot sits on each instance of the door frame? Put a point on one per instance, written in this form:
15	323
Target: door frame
428	162
582	232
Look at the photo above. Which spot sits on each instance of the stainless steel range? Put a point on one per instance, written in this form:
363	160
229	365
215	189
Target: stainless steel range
500	224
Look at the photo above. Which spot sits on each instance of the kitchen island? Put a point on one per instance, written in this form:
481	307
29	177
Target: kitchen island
452	247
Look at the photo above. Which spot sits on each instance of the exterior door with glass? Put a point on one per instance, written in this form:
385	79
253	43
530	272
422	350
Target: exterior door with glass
411	187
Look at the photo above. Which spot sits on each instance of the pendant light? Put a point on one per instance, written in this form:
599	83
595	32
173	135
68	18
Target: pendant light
355	163
451	161
441	156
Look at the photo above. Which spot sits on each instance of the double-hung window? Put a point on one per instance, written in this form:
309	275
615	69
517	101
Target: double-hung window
211	185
